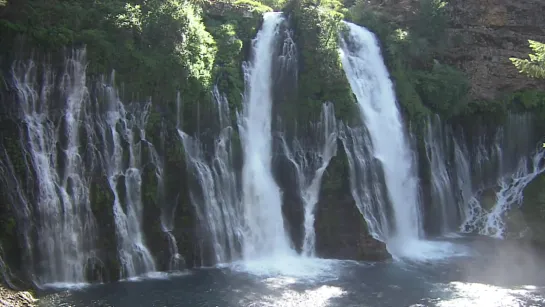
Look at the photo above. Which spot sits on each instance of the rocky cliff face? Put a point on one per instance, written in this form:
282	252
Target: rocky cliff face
486	33
482	36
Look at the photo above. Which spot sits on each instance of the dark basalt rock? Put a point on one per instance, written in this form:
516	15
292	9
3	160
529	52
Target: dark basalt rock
341	230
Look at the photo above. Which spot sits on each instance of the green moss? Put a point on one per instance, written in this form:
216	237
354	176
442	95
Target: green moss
533	208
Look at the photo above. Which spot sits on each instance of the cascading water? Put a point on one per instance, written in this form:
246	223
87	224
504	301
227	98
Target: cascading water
168	209
370	82
116	126
442	189
5	273
511	193
467	199
366	180
218	208
310	162
264	234
479	186
67	228
15	191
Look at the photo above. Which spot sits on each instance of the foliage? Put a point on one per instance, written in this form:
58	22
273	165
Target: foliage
411	49
253	6
232	32
321	77
431	22
156	47
535	66
444	89
275	4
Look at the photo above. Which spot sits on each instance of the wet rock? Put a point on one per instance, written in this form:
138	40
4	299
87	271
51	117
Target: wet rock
11	298
341	230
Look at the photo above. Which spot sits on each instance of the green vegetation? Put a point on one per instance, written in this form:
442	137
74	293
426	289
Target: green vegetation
232	31
412	48
535	66
156	47
533	208
321	78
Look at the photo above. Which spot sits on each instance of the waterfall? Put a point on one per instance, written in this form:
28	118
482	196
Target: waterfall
67	228
436	141
168	208
16	193
511	193
310	161
467	200
370	82
264	233
493	163
366	180
5	273
118	126
218	208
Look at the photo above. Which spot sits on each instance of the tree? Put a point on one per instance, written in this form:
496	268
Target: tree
535	66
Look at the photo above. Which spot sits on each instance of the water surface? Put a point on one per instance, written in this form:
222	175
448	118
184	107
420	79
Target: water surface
492	273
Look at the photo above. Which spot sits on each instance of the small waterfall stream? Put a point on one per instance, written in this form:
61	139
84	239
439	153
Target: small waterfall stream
117	126
497	164
67	226
69	138
217	201
310	161
168	208
442	189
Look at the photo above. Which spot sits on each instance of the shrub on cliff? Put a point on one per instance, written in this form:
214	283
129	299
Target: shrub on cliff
443	89
535	66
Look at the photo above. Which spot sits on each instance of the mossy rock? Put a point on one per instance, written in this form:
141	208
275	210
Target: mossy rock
533	208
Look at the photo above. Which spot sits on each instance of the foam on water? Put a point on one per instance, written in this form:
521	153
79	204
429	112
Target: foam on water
426	250
290	266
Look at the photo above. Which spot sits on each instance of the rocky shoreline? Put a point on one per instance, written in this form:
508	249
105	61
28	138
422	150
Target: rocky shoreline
11	298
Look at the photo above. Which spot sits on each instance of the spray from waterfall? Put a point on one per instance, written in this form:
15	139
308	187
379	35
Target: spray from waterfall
218	207
310	161
264	233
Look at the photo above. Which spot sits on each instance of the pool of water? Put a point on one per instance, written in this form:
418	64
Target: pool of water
482	273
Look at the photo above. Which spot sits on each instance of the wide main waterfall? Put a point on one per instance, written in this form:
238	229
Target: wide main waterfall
371	84
369	79
264	233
